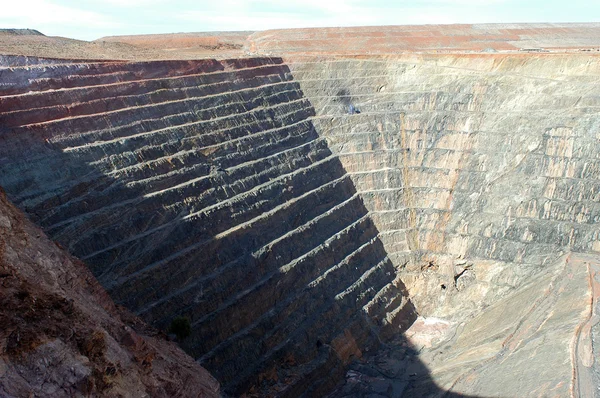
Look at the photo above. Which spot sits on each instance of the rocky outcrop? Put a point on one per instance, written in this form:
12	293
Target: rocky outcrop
62	336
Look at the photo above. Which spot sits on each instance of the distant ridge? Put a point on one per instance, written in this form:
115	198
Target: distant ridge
459	38
21	32
358	40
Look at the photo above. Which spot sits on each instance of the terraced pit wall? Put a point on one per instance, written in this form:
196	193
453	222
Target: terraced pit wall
490	157
203	189
245	195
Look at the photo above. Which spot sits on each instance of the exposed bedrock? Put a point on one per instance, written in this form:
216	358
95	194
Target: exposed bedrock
488	156
203	189
289	209
478	171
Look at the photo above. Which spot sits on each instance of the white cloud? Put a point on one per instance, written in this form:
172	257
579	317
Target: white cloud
251	14
127	3
92	19
43	12
470	2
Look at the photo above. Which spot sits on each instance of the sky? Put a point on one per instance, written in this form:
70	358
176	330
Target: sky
92	19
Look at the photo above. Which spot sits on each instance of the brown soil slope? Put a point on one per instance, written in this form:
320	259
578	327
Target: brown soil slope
62	336
547	37
186	45
138	47
12	43
428	39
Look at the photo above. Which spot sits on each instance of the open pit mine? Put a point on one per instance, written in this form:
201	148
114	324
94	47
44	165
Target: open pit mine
383	212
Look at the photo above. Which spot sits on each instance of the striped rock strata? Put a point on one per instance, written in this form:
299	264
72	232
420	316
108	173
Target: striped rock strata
289	208
479	172
203	189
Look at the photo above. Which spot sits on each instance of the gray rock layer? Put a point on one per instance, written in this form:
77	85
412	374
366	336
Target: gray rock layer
484	156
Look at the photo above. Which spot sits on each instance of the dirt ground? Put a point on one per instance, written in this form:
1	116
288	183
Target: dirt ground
219	45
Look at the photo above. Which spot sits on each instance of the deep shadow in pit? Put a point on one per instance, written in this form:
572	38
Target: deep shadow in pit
394	370
264	245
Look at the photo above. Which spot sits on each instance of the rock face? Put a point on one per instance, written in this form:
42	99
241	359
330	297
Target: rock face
289	207
478	172
202	189
62	336
538	340
483	156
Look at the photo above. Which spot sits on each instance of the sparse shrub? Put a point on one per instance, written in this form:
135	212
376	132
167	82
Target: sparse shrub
181	327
